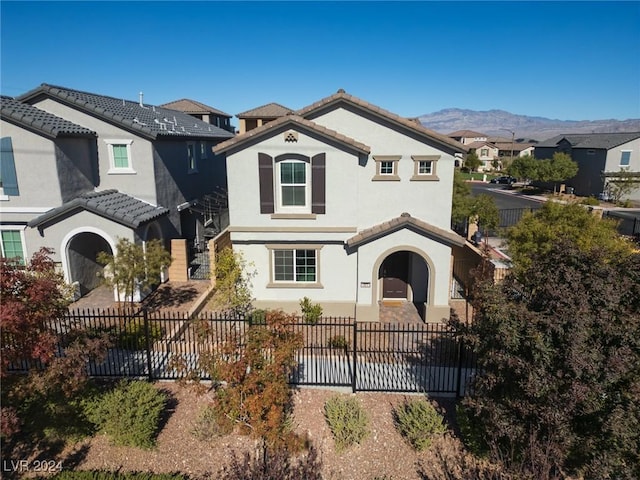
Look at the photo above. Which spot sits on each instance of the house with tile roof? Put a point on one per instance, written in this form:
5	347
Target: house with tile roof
80	170
256	117
467	137
345	203
600	157
202	112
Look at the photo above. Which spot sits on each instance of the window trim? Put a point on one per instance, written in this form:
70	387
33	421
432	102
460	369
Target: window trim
622	152
20	230
293	209
273	283
192	160
379	176
112	164
417	176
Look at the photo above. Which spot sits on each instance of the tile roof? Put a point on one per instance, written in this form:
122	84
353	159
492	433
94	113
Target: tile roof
45	123
517	147
191	106
591	140
405	221
479	144
111	204
466	134
270	110
341	96
145	120
291	121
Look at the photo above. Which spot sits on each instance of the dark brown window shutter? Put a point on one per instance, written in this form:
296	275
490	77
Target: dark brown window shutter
318	183
265	173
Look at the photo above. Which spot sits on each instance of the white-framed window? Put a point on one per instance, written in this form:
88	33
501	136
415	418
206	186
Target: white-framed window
484	152
192	160
294	188
120	160
424	167
625	158
386	167
12	244
294	266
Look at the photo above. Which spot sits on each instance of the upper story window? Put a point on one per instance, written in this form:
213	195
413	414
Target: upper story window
625	158
11	245
484	152
8	176
192	161
120	160
203	150
386	167
424	167
292	185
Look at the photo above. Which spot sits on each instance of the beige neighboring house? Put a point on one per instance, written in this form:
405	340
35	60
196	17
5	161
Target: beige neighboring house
519	149
259	116
345	203
202	112
486	152
467	137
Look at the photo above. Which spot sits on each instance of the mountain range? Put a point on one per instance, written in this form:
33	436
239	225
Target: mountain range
500	123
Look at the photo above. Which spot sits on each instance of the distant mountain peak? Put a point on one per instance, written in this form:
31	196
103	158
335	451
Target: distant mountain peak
494	122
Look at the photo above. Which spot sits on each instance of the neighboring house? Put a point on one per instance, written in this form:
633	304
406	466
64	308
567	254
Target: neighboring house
518	149
486	153
600	156
347	204
88	169
467	137
259	116
202	112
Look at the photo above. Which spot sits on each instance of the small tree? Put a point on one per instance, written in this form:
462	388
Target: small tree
560	167
472	162
622	184
461	200
525	167
233	282
485	211
134	267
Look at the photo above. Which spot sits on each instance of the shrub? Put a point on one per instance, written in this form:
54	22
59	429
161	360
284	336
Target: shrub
311	312
418	421
208	426
258	317
590	201
275	464
338	341
470	431
133	336
129	414
347	420
107	475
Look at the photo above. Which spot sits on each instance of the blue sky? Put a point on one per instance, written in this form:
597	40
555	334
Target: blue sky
564	60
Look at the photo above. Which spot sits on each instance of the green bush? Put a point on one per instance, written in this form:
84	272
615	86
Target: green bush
133	337
347	420
258	317
590	201
106	475
470	431
208	426
418	421
129	414
311	312
338	341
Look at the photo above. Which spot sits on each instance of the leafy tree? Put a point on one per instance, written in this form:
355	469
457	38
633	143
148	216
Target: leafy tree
461	200
134	267
559	388
525	167
233	282
472	162
484	210
559	167
622	184
537	232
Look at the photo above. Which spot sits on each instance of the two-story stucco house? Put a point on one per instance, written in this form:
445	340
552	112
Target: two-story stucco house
81	170
347	204
600	157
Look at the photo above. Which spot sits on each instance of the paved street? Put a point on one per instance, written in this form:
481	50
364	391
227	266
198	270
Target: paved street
504	198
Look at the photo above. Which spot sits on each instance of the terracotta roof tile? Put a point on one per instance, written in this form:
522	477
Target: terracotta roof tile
191	106
270	110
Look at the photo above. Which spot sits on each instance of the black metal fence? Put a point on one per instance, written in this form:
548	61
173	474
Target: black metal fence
337	352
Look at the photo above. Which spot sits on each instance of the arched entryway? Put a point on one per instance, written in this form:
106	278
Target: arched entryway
404	276
82	263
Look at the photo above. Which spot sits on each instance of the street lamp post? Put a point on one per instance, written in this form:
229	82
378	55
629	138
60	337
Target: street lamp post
513	136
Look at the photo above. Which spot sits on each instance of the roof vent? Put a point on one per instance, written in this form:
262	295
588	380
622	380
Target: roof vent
141	98
341	90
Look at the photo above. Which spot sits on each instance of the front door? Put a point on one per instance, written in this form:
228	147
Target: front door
395	275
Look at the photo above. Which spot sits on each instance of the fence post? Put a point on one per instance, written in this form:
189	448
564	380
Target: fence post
460	352
147	342
355	361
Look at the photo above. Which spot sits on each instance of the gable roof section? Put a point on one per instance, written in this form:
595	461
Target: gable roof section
295	122
145	120
604	141
405	221
111	204
466	134
189	106
270	110
341	98
44	123
479	144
